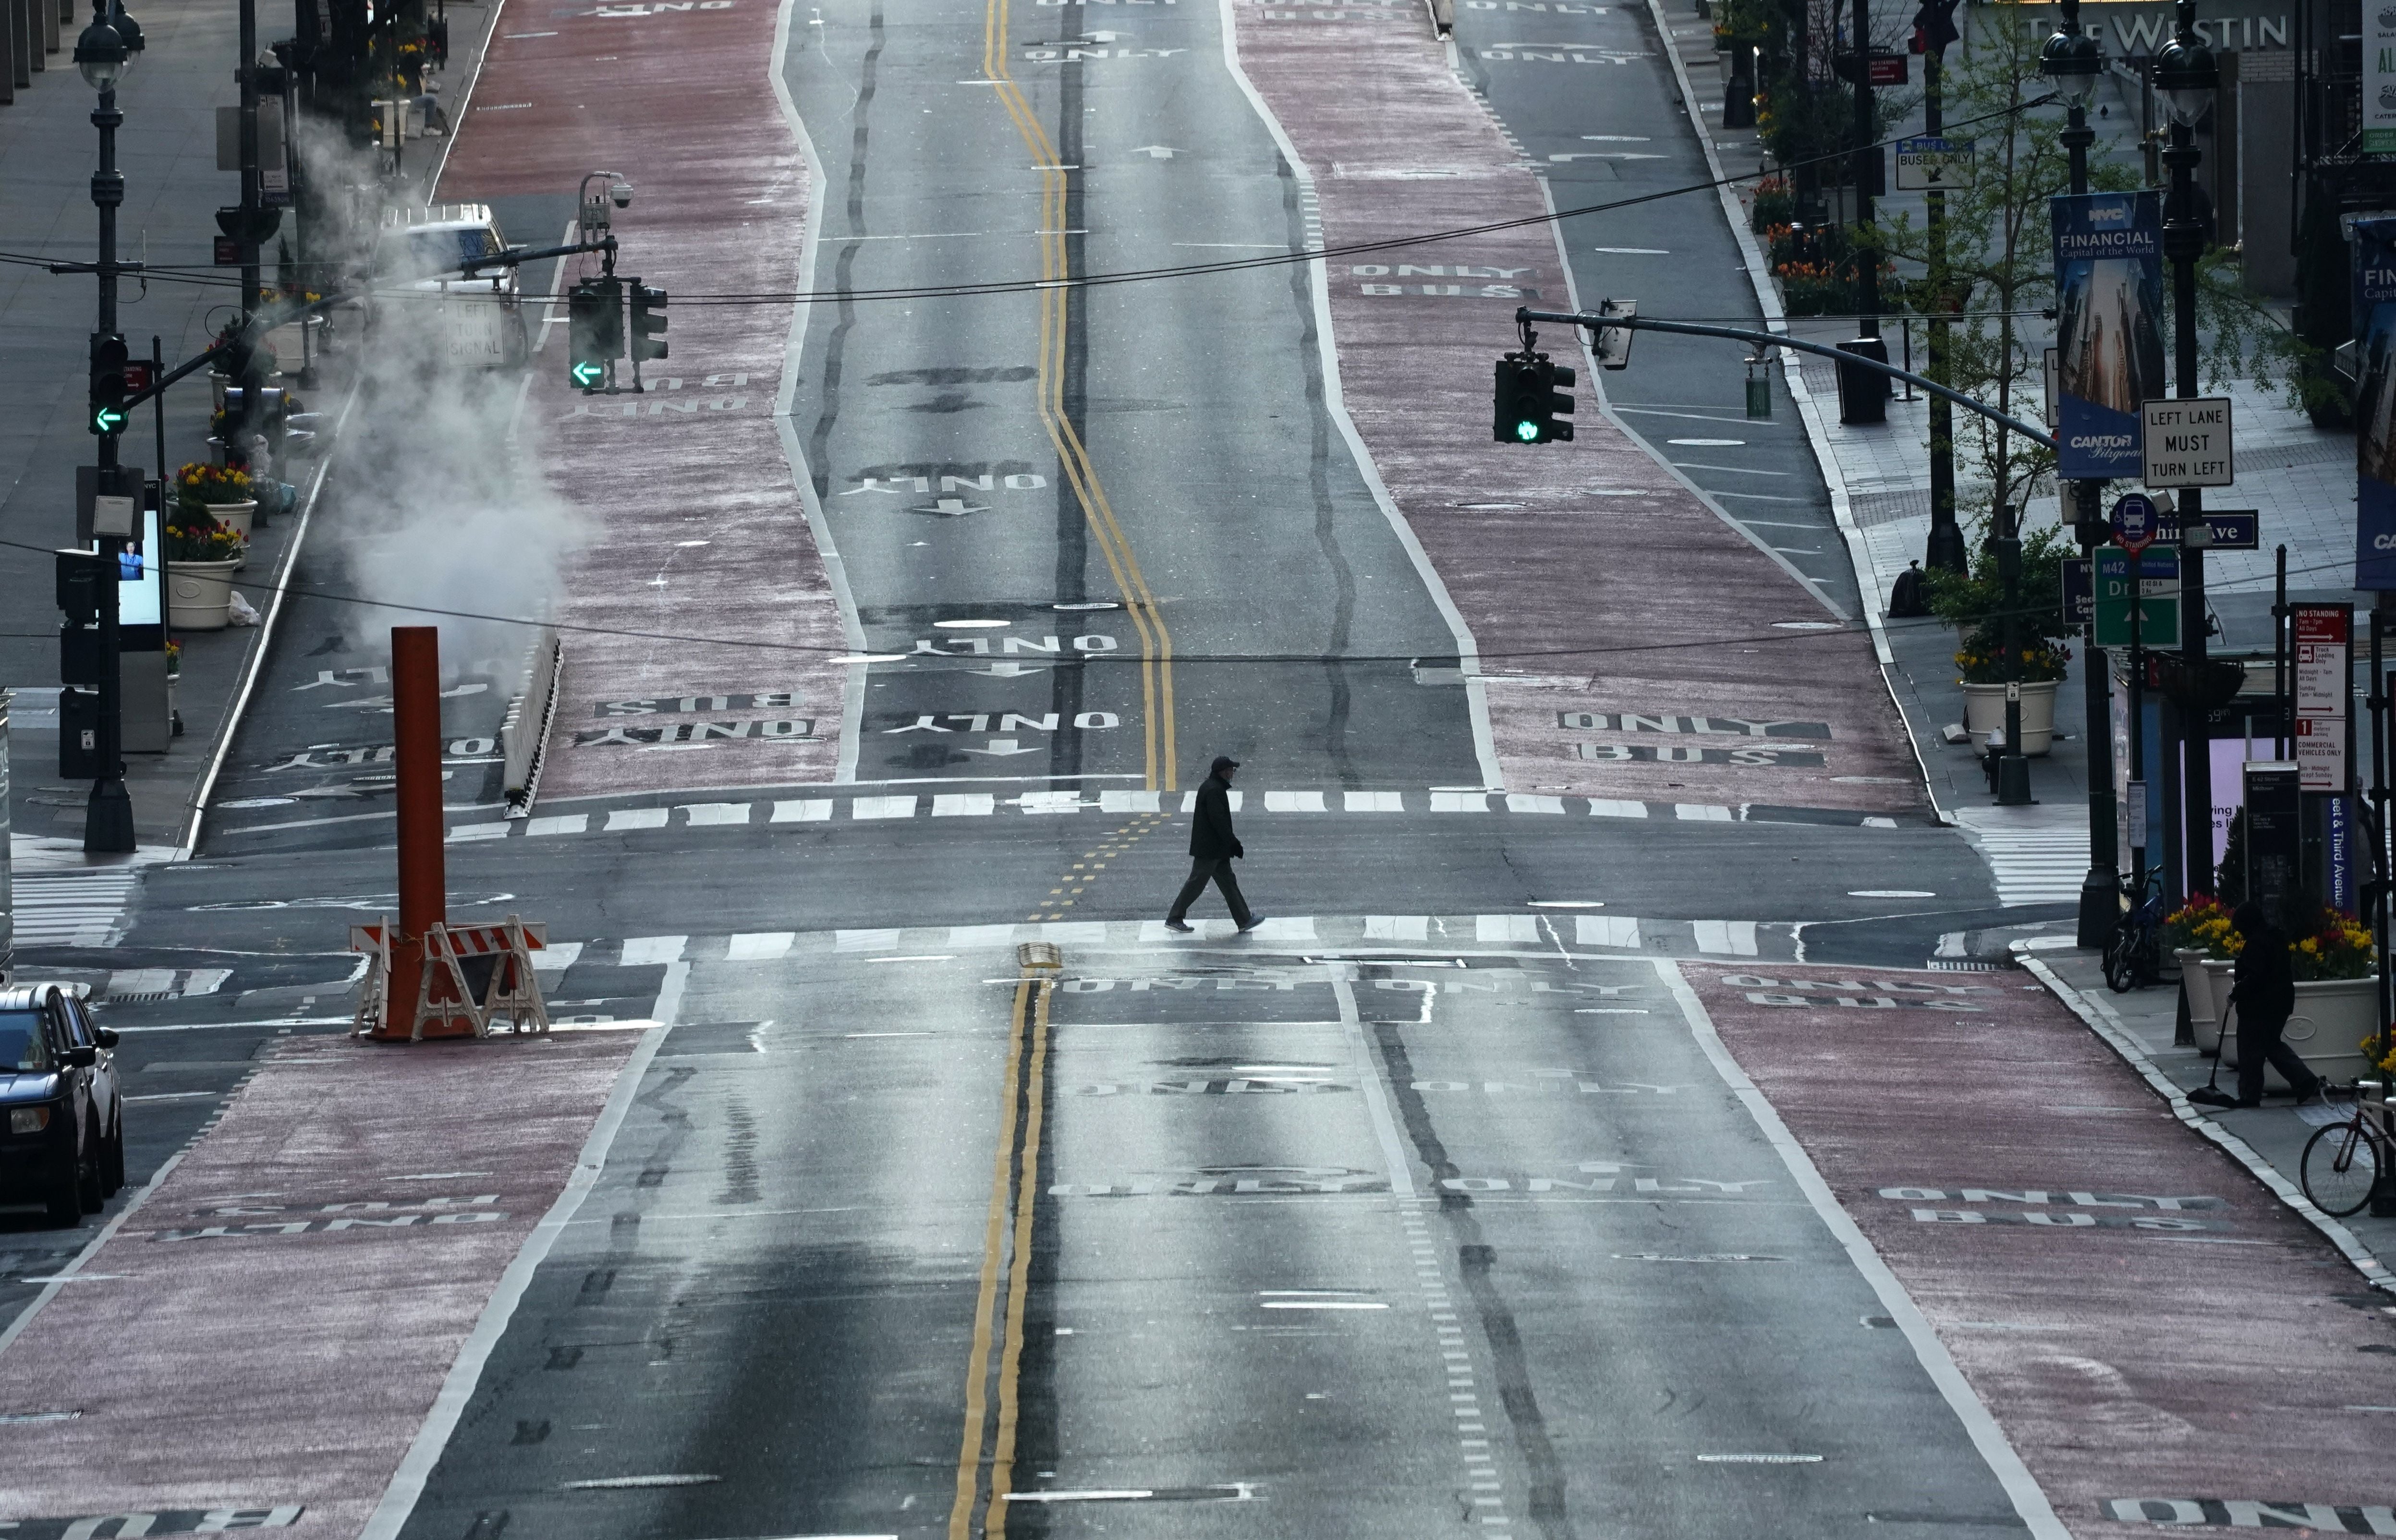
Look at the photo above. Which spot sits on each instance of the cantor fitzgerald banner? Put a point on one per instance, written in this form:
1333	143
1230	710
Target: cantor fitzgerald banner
2374	404
2109	283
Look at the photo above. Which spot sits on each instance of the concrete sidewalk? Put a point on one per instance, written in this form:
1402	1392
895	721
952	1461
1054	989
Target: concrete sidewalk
2273	1135
165	148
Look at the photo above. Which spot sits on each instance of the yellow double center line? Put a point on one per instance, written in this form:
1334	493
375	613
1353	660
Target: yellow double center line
1155	643
1006	1256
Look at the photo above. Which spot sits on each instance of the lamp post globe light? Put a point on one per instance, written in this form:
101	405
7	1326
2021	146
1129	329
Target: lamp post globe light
2073	61
101	57
2187	76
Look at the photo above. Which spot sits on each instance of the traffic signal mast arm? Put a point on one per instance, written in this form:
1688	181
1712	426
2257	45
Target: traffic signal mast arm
1771	340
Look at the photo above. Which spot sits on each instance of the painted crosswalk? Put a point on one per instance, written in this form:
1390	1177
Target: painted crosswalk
86	909
1313	936
884	807
2036	854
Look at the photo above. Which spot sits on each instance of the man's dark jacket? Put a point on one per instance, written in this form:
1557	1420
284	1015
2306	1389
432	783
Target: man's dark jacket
1210	835
2266	990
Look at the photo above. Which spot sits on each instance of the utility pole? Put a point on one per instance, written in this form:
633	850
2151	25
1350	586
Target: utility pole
1946	552
2072	61
102	54
1866	154
2185	71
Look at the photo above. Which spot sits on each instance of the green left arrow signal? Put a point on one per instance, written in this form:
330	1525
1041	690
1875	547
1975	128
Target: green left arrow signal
588	374
108	420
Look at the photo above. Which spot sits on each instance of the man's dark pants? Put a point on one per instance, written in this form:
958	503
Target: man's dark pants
1205	869
2258	1040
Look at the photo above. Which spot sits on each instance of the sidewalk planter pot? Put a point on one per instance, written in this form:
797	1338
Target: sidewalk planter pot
2332	1018
2218	979
1984	712
2202	1016
199	595
236	517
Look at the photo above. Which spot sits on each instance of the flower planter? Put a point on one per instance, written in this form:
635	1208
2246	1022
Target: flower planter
199	595
1984	712
236	517
2202	1015
2332	1018
2218	977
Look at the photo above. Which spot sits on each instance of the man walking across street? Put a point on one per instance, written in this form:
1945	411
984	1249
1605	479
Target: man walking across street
1212	847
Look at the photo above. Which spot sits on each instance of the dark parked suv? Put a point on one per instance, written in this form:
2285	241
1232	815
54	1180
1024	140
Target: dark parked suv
63	1144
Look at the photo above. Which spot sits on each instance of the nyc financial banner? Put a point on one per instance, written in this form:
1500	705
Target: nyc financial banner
2108	282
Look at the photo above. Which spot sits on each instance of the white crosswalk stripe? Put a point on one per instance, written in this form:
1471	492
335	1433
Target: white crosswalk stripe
86	909
2036	855
1412	934
879	807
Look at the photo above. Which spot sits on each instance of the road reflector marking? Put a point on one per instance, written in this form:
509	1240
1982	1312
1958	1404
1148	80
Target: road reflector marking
609	1483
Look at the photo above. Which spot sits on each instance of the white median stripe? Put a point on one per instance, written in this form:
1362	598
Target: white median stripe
641	952
636	817
613	1483
759	946
1725	938
1701	813
971	804
1600	930
802	810
556	957
1502	929
1294	802
882	808
463	833
566	823
704	814
1373	802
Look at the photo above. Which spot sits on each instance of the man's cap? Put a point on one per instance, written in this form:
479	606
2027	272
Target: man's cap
1223	762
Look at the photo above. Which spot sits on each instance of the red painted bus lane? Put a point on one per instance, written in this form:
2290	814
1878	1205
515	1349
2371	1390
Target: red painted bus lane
2143	1319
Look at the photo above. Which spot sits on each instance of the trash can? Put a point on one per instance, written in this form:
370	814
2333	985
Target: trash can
1863	393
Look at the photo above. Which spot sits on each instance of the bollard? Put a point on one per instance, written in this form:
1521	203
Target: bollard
423	883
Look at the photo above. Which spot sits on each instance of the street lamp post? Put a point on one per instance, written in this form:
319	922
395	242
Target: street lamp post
2072	61
102	54
1945	552
2186	74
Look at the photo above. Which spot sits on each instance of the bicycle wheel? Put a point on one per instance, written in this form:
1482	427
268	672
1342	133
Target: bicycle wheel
2339	1168
2120	946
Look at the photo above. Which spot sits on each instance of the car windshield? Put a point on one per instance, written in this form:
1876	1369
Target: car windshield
420	254
23	1044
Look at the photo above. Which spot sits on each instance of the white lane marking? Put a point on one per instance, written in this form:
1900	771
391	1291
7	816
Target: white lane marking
465	834
759	946
1892	893
1128	801
1460	801
1368	1077
1500	929
1600	807
1373	802
1321	1305
407	1486
882	808
1524	801
1636	251
641	952
1725	938
917	957
609	1483
1293	927
1759	1459
1190	801
563	823
556	957
636	817
881	939
801	810
965	805
2004	1462
704	814
1294	802
1397	927
1701	813
1709	443
131	981
1603	930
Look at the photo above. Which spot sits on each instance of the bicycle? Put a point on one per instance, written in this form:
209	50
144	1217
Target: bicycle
2342	1161
2134	947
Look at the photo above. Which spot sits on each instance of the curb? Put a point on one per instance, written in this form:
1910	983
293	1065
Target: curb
2095	1013
1875	601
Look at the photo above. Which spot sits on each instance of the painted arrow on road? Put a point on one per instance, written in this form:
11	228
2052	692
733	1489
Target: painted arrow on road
1001	748
952	508
1156	151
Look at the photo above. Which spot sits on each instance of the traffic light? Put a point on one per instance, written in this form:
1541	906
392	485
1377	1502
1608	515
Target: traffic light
595	311
1531	394
83	578
648	322
108	359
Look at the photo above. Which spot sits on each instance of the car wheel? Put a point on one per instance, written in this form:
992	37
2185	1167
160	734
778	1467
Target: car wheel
64	1196
116	1155
91	1181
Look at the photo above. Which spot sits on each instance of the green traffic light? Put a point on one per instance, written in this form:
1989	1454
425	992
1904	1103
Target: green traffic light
587	375
1527	430
108	420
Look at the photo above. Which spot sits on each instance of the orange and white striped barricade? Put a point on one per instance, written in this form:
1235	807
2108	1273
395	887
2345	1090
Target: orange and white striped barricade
513	989
471	974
